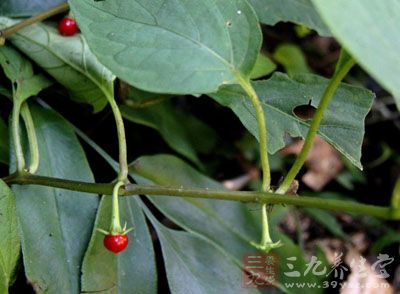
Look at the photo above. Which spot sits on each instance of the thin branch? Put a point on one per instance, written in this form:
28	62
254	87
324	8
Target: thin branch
243	196
334	83
7	32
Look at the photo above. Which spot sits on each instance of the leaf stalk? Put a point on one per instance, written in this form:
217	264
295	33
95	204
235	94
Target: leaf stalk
32	139
15	120
123	154
266	243
340	73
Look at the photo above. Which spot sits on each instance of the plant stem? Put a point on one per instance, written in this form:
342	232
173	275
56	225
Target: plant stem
262	131
24	178
115	227
4	34
33	143
123	156
265	237
318	116
19	154
243	196
123	161
266	242
395	200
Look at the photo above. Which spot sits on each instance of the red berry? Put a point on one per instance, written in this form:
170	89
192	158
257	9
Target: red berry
115	243
67	26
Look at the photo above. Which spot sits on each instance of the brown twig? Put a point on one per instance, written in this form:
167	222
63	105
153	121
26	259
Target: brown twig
7	32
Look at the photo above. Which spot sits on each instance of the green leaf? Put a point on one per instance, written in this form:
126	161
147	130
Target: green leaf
264	66
368	30
4	144
229	225
292	59
194	265
55	223
132	270
342	125
183	47
68	60
26	7
302	31
9	242
173	172
19	70
327	220
183	132
379	245
5	92
298	11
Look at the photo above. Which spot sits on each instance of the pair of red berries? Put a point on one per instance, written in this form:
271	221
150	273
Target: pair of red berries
67	26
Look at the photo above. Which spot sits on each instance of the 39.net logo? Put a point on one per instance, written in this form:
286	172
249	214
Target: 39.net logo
260	270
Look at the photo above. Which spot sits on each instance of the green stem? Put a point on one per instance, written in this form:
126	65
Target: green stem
123	156
265	237
318	116
266	242
19	154
395	200
242	196
24	178
262	131
7	32
115	227
33	143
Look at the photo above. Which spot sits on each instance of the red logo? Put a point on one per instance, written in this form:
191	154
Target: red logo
260	270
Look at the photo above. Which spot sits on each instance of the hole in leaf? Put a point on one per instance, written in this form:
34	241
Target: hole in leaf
228	23
305	111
